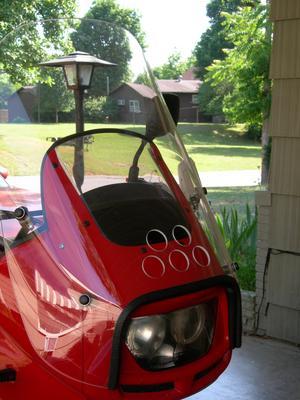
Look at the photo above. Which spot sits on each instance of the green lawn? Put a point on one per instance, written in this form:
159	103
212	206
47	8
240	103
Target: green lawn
236	197
214	147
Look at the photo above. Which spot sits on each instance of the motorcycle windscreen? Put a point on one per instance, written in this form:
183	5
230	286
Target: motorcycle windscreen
113	172
117	85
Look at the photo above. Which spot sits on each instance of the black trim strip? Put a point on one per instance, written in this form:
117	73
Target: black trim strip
234	305
8	375
206	371
147	388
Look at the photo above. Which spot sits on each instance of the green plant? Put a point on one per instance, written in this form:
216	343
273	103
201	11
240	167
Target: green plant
99	109
239	234
254	132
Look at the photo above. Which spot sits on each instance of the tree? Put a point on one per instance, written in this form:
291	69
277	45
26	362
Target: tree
245	69
211	47
18	56
174	67
213	41
108	41
211	100
55	97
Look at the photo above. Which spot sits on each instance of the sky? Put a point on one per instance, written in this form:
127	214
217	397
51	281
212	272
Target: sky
169	25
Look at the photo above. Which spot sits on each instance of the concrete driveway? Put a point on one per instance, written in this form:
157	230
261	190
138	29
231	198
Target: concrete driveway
209	179
262	369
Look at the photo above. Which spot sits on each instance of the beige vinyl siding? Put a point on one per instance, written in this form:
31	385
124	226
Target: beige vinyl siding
285	167
285	9
285	224
286	50
278	289
285	110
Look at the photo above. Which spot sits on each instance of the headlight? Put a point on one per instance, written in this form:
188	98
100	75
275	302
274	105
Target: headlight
167	340
146	335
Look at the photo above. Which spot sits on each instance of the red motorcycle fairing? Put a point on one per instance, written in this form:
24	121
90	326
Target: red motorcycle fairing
72	256
109	288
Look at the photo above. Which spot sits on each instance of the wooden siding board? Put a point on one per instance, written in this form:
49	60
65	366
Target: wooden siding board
283	273
285	166
285	61
285	223
283	323
285	115
284	9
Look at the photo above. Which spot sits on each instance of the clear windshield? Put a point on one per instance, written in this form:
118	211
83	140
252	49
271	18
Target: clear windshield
118	179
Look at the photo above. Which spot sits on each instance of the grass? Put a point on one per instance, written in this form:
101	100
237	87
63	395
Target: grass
232	197
220	147
214	147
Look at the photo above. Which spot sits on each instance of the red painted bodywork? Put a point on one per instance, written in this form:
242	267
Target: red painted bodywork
61	349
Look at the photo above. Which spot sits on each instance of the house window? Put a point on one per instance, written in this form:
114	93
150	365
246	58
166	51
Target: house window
134	106
121	102
195	99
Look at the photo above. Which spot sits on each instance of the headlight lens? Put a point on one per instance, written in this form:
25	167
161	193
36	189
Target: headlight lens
146	335
167	340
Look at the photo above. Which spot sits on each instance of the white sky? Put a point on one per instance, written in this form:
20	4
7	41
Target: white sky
169	25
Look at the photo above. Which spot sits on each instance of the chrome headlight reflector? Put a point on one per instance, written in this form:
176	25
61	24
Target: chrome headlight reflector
168	340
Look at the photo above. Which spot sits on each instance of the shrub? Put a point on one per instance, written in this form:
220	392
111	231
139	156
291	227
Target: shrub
254	132
240	238
99	109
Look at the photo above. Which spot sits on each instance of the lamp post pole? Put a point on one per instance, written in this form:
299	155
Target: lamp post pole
78	69
78	167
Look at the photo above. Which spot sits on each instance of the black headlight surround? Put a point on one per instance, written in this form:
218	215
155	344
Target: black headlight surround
183	352
234	315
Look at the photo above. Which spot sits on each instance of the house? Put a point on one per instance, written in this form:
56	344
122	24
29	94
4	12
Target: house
22	104
187	91
133	99
278	244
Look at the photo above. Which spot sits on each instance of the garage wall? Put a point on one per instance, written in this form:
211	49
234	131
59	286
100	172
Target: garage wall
278	261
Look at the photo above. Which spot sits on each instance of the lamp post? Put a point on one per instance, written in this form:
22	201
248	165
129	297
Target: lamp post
78	70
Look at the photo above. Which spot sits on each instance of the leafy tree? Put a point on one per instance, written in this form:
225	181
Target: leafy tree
245	71
210	99
210	48
18	56
54	96
100	109
246	66
174	67
108	42
214	40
